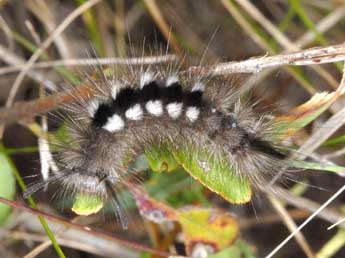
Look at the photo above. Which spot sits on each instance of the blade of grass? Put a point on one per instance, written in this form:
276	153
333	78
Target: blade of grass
323	25
284	24
93	30
157	16
291	225
317	166
320	209
276	36
33	204
60	69
120	27
333	245
265	41
30	149
296	5
46	43
12	59
334	141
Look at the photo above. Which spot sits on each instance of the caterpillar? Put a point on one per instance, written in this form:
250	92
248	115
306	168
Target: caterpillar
139	107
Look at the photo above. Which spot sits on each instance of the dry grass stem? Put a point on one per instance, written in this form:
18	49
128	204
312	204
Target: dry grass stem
93	61
68	20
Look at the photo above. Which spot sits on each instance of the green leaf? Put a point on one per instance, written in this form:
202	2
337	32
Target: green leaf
177	188
215	173
160	159
317	166
7	187
86	204
239	250
302	115
145	255
210	227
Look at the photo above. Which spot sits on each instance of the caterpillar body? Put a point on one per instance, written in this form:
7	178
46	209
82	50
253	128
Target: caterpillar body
136	108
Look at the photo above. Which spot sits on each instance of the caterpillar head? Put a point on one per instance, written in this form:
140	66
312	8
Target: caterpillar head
94	167
93	163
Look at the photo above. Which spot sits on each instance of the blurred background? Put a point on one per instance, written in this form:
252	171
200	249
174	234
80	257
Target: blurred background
221	30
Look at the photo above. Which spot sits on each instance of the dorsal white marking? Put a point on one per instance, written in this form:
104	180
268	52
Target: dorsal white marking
115	88
198	86
171	80
154	107
174	109
192	114
92	107
114	124
134	113
146	78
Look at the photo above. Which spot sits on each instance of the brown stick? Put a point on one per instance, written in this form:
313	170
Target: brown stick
87	229
318	55
26	110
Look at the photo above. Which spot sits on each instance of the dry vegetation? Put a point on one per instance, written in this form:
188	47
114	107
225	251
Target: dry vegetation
44	44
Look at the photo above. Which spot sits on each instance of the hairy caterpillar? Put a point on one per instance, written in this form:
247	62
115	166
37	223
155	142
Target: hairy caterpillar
139	107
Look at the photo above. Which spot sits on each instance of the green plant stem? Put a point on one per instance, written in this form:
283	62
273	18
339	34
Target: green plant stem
333	245
283	25
93	29
296	5
334	141
30	149
33	203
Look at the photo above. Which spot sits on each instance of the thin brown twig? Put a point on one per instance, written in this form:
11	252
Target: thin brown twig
322	26
38	249
272	218
283	40
11	58
46	243
44	11
312	216
334	154
329	215
324	132
337	224
62	26
26	110
120	28
266	24
291	225
163	26
78	244
92	61
7	31
95	232
249	30
312	56
307	38
229	6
